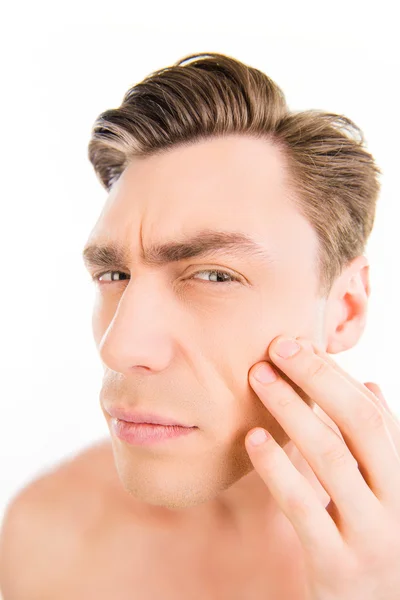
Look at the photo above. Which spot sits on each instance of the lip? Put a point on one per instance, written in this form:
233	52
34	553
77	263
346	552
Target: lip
144	434
140	417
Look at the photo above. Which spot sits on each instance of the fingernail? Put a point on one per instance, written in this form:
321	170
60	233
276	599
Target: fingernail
265	373
287	348
257	437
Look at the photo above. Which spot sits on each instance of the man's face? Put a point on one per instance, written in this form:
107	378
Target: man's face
178	340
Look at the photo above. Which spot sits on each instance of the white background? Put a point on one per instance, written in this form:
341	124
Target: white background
61	67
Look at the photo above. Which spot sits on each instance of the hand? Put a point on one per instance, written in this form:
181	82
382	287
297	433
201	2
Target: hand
352	546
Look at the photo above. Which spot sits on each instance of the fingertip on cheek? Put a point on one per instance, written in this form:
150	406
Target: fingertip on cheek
264	373
257	437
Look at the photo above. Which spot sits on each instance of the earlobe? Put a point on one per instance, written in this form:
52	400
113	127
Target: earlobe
335	344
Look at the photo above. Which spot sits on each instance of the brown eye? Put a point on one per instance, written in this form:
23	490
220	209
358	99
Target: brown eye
219	276
112	273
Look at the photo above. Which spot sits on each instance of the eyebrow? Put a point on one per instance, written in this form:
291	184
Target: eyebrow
233	244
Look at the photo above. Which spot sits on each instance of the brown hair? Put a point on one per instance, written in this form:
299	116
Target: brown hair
333	177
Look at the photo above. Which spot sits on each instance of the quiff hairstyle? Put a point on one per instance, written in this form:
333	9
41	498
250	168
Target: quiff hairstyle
334	180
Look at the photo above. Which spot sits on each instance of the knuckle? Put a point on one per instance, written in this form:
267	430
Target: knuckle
297	503
318	369
294	503
372	557
335	453
283	400
372	417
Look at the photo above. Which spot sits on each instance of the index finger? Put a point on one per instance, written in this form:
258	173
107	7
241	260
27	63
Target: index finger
360	420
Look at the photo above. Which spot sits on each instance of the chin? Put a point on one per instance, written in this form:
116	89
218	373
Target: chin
178	482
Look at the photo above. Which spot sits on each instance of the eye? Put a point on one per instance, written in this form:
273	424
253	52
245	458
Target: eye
220	276
97	276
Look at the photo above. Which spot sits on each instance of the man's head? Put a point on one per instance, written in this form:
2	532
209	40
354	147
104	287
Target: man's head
205	155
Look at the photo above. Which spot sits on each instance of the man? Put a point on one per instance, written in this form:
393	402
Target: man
231	224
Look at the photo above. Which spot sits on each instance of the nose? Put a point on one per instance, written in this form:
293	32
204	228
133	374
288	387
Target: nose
140	337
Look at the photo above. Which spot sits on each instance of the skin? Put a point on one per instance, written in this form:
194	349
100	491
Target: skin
351	548
184	331
174	341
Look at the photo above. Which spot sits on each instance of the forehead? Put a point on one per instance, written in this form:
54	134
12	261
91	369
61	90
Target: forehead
231	183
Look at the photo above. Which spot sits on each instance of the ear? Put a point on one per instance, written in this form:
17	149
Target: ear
347	306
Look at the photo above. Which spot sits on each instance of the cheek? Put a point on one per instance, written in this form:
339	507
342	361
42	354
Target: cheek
283	310
235	407
250	412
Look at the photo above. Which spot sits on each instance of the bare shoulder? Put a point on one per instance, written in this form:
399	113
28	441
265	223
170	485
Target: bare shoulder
74	490
49	522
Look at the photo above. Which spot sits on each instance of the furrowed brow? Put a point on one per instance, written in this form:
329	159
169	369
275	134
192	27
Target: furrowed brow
227	243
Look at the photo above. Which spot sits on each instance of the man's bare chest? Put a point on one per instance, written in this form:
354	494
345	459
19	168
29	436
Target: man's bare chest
172	568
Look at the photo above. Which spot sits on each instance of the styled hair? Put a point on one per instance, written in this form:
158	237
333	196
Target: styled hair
333	179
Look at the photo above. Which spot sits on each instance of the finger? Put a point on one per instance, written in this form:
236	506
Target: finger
392	422
326	453
376	390
357	416
296	498
380	399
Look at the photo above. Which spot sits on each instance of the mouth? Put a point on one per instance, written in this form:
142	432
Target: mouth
140	418
145	434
